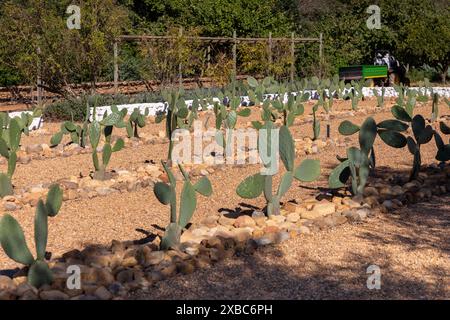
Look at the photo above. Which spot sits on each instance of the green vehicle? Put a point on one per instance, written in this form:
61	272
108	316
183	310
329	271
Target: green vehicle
375	75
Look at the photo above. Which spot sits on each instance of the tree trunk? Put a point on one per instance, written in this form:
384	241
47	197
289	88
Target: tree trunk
444	74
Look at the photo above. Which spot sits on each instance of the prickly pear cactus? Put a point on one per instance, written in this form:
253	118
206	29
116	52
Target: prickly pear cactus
422	134
135	121
13	242
443	153
255	185
105	127
360	161
9	145
78	134
177	115
166	194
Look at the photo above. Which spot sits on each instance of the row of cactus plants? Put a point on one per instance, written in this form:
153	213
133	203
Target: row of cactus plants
357	165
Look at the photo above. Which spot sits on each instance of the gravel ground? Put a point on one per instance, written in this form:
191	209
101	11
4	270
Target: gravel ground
411	248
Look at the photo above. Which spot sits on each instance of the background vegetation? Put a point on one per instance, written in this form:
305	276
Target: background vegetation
35	38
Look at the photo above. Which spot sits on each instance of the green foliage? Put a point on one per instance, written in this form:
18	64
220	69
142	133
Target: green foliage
136	119
359	161
178	116
443	153
226	113
78	134
39	41
13	242
380	97
11	131
316	124
105	127
166	194
422	134
253	186
355	93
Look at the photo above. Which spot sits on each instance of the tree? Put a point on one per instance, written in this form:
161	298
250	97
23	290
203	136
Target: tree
37	40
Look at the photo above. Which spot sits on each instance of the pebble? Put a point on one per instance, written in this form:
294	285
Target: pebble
244	221
53	295
103	294
225	221
154	258
6	283
10	206
293	217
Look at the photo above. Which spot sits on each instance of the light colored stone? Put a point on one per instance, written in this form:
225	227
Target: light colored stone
293	217
388	204
290	207
370	191
6	283
278	218
244	221
154	258
324	208
242	234
259	217
352	204
129	262
10	206
225	221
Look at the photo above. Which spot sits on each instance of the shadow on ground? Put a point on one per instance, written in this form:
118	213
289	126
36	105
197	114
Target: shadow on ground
270	274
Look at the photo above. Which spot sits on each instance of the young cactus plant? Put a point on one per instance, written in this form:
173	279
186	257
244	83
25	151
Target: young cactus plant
166	194
359	161
443	153
253	186
135	121
178	116
315	123
226	114
9	145
13	242
422	134
105	127
291	109
78	134
380	97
